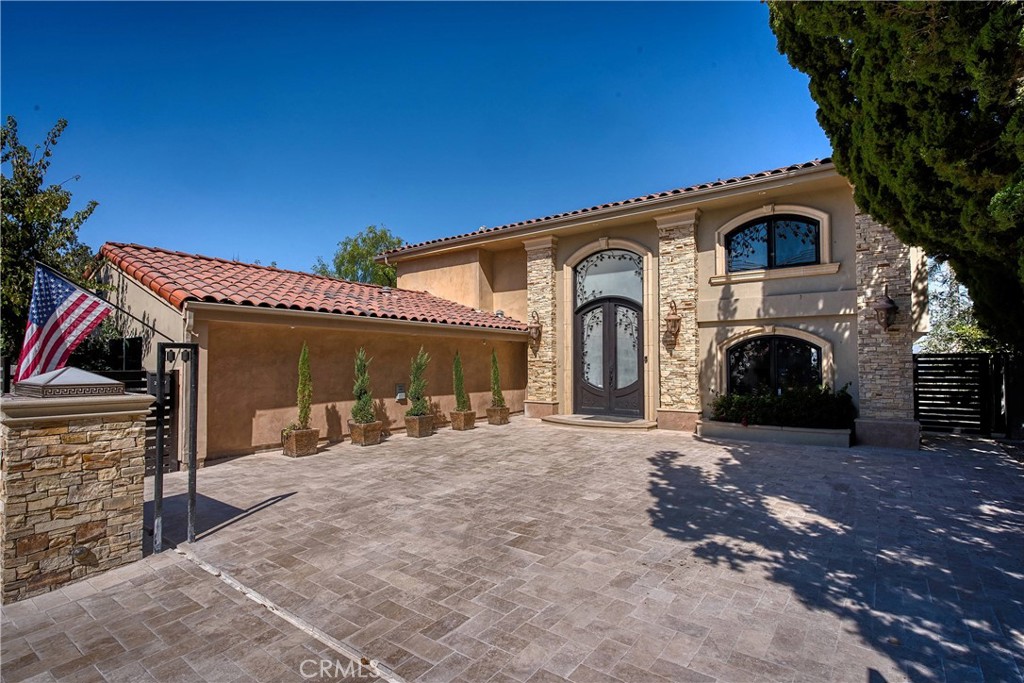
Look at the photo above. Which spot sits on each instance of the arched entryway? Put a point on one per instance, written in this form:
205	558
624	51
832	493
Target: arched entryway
608	334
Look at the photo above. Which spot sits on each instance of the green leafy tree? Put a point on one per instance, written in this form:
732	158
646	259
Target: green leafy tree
354	259
953	328
36	226
497	398
305	391
418	405
459	384
924	105
362	411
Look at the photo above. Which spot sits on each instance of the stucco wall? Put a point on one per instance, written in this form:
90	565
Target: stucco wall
822	305
489	281
252	377
142	303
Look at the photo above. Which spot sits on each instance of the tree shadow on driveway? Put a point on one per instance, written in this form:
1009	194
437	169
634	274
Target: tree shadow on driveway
920	555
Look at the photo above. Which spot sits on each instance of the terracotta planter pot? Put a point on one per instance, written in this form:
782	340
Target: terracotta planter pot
367	434
300	442
463	420
497	416
419	426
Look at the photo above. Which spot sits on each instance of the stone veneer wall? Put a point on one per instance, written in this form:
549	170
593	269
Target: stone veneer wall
679	362
542	371
69	484
885	361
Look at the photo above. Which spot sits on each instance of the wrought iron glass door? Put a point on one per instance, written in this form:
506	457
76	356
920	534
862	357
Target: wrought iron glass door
608	335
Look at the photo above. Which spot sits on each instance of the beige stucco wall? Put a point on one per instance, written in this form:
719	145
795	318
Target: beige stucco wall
821	305
252	377
481	279
145	305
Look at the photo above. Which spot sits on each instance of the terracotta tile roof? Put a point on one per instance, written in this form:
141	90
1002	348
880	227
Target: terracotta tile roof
635	200
178	277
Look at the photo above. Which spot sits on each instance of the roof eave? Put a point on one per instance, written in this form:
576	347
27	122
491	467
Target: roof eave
562	222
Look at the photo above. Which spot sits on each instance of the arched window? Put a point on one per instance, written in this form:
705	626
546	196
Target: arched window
613	272
773	363
776	241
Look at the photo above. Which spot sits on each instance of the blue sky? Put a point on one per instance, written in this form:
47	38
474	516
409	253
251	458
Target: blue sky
270	131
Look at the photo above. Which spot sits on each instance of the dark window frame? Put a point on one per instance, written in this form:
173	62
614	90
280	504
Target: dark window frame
773	364
770	221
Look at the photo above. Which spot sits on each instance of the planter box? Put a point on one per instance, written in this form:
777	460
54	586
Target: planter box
419	426
497	416
300	442
367	434
835	438
462	420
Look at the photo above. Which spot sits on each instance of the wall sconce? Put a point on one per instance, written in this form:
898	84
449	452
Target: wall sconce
534	330
885	309
673	321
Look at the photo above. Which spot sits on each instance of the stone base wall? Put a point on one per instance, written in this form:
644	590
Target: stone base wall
72	499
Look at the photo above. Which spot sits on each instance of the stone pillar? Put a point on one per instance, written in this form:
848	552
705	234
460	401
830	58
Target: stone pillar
679	402
542	360
885	361
71	488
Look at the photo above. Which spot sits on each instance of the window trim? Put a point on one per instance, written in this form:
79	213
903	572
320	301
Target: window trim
828	369
825	266
773	361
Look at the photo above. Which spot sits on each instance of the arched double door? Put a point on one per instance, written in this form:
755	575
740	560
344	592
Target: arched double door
608	334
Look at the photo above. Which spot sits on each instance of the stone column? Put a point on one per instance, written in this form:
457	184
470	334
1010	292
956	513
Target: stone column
542	360
71	488
679	362
885	361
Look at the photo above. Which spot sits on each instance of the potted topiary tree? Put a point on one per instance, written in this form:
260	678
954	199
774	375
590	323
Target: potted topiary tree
297	439
364	427
418	420
497	414
462	417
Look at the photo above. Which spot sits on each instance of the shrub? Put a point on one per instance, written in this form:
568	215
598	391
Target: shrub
799	407
362	411
497	398
418	386
305	391
459	383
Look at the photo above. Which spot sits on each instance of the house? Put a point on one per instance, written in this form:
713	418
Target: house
250	323
644	309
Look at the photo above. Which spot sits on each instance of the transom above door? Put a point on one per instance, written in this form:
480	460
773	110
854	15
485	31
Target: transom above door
608	334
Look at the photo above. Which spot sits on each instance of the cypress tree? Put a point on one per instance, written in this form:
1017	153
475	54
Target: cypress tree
362	411
418	385
497	398
459	383
305	392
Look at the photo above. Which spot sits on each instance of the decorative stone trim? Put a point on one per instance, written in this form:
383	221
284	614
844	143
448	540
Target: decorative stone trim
774	274
828	366
885	362
679	366
541	299
824	235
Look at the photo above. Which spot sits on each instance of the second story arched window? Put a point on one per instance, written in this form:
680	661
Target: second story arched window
776	241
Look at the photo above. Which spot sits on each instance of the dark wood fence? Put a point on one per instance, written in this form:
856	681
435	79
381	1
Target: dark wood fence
971	393
145	382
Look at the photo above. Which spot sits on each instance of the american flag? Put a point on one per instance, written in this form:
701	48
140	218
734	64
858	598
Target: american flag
60	316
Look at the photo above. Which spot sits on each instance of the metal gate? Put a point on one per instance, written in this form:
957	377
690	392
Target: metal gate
140	381
961	392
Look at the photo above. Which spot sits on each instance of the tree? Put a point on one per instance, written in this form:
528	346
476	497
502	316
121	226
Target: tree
362	410
924	106
953	328
304	394
35	227
354	258
418	404
459	385
497	398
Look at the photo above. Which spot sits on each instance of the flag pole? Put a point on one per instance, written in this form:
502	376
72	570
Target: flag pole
109	303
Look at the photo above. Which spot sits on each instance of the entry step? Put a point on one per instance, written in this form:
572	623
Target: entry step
601	421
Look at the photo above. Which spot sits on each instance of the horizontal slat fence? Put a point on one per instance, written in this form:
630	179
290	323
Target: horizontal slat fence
953	392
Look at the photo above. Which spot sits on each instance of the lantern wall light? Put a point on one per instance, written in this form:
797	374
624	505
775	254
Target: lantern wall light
885	309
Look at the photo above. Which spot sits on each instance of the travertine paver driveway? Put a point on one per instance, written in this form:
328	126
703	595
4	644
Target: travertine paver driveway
538	553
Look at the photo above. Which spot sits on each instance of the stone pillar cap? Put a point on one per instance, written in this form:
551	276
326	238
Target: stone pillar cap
68	382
